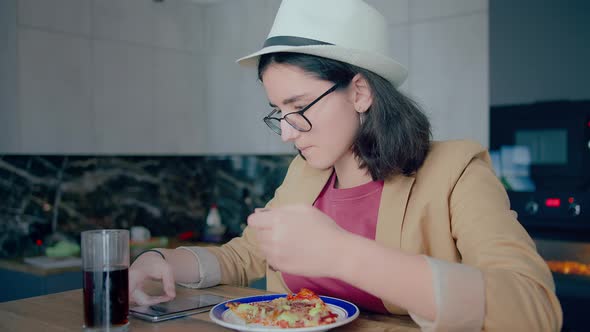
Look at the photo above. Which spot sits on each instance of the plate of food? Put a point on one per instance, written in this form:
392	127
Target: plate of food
301	312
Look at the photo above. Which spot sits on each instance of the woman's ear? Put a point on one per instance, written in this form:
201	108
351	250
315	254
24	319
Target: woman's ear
361	93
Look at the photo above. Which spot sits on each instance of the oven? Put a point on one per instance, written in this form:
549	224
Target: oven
557	135
552	197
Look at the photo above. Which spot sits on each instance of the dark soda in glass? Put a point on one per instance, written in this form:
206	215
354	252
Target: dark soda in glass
106	297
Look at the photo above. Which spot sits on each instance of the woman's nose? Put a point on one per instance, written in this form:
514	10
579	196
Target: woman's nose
288	133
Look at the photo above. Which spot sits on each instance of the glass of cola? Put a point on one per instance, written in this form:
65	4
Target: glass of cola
105	264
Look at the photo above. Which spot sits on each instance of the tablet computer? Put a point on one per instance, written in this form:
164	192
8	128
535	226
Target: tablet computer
179	307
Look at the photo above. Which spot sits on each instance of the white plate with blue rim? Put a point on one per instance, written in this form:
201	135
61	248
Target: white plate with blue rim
222	315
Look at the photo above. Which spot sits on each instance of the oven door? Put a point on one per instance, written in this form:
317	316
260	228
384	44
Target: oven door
572	287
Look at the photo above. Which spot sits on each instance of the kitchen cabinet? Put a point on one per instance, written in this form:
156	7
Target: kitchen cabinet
19	280
142	77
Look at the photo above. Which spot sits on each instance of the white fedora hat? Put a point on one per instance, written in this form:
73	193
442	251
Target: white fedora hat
350	31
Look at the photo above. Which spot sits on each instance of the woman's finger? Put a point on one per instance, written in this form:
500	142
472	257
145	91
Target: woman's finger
168	283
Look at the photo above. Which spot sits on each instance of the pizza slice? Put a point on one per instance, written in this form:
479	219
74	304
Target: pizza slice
304	309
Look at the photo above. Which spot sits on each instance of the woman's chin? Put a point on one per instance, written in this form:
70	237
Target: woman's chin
314	161
318	163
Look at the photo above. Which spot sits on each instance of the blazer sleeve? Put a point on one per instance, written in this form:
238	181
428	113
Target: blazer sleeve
519	288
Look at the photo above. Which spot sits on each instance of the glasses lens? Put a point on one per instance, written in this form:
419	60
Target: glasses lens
298	122
273	124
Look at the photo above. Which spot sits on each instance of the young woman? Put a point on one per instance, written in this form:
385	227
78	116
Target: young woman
371	210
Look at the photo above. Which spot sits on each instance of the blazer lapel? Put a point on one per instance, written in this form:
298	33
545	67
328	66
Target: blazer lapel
390	220
392	210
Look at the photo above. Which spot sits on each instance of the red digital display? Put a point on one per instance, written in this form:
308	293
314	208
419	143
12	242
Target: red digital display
553	202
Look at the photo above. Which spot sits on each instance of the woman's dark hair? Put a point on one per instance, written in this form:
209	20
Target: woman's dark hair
395	134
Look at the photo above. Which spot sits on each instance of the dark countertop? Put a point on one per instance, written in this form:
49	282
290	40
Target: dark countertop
18	264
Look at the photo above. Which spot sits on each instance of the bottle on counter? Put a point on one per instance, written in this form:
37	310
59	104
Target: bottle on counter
214	229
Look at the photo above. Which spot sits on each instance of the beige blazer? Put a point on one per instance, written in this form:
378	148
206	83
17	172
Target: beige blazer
454	209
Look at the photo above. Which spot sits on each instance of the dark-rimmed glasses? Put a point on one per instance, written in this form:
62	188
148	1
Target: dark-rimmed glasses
295	119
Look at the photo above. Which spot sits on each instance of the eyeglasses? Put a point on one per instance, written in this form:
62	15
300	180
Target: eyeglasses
295	119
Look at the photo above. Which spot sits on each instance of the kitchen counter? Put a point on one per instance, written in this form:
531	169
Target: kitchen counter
19	265
64	312
42	281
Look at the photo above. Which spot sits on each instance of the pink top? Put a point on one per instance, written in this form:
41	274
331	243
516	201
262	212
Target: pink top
355	210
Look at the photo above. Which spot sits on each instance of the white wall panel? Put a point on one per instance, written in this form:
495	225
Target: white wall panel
395	11
172	24
161	76
55	91
222	90
10	130
450	75
399	45
123	97
71	16
180	123
428	9
129	20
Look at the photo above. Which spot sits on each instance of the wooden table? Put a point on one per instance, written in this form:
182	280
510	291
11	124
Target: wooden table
64	312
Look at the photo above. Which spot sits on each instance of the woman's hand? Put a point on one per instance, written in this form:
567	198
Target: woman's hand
150	266
299	239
